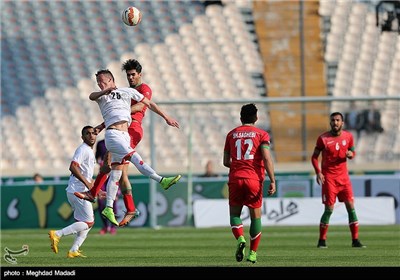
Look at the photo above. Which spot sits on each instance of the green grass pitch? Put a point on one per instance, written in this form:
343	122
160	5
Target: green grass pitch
280	246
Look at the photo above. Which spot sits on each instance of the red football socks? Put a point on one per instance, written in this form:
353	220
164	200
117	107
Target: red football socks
129	203
98	183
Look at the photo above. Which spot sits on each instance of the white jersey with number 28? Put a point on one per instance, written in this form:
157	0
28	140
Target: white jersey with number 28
116	106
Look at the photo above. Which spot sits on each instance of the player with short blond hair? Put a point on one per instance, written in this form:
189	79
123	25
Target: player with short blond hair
115	107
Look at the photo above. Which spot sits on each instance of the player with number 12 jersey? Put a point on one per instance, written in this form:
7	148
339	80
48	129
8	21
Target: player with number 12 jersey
243	144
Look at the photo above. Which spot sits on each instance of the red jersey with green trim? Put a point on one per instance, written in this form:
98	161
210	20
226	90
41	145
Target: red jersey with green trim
146	91
333	149
243	144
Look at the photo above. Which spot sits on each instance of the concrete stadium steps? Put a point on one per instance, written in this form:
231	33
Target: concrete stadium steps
277	27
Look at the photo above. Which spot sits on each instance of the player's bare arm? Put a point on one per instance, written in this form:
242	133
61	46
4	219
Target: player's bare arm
269	167
99	128
137	107
154	107
227	159
97	94
315	164
75	170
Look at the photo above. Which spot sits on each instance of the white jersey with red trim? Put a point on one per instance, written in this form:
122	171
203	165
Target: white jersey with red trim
116	106
84	156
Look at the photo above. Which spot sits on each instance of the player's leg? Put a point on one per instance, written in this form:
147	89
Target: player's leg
324	225
83	214
105	223
136	133
103	175
353	222
126	189
235	209
255	233
254	202
145	169
237	230
328	195
99	182
118	143
112	189
75	251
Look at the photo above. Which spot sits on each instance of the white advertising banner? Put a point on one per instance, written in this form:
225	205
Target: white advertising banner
296	211
373	186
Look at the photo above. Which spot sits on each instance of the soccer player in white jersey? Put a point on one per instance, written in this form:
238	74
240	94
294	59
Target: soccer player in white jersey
115	107
81	167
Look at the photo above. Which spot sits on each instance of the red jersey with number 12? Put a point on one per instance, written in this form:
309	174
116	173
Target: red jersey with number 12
244	147
333	149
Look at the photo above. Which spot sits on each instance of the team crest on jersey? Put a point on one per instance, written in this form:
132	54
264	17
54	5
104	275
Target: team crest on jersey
344	142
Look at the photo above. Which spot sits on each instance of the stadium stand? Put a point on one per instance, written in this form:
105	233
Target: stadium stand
363	61
189	50
279	41
49	110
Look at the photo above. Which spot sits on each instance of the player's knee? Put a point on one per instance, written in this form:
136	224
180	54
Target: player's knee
90	224
126	191
125	184
136	159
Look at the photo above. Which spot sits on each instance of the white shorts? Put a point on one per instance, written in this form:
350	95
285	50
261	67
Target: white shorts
119	144
83	209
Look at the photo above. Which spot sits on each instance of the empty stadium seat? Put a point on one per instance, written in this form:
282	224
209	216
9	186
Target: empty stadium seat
200	60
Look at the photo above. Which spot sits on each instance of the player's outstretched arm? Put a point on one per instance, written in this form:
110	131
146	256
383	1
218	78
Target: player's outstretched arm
99	128
96	94
156	109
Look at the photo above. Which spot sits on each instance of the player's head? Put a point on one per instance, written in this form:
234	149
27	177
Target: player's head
88	135
133	70
105	79
248	114
336	122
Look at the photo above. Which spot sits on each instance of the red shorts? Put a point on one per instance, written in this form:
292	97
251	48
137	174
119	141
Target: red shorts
334	188
135	131
247	192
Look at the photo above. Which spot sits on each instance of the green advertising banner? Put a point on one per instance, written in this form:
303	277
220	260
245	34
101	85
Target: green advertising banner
29	205
45	205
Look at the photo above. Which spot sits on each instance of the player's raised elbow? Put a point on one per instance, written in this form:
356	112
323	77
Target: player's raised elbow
92	97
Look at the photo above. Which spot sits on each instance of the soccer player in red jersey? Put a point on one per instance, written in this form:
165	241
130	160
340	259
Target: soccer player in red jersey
336	146
247	155
133	70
